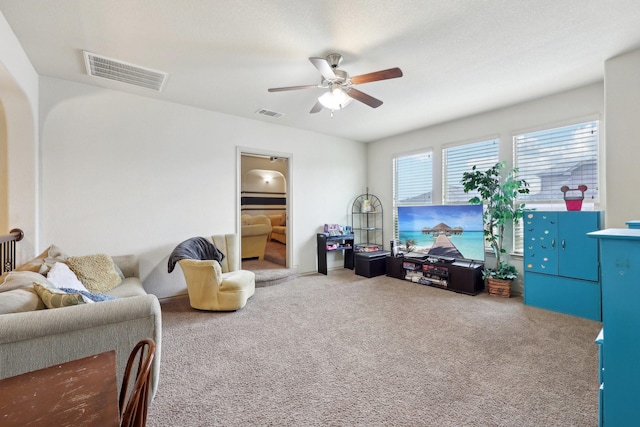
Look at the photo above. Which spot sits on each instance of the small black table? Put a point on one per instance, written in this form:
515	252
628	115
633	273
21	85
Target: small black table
327	243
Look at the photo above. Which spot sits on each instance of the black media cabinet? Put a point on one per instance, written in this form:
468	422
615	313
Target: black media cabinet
463	276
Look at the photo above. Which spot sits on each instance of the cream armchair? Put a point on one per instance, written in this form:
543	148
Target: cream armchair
255	233
279	227
219	286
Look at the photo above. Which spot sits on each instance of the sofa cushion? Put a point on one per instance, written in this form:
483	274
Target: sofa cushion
279	229
96	272
43	262
127	265
61	276
20	300
19	279
56	298
130	286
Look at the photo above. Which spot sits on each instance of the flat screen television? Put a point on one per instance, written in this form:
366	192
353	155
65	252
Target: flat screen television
443	231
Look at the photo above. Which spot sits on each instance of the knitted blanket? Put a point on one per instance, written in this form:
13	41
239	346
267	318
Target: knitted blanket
194	248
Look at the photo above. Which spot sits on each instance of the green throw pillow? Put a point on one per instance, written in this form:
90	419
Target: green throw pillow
55	298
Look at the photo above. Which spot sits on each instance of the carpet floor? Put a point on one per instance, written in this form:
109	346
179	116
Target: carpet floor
275	256
343	350
271	270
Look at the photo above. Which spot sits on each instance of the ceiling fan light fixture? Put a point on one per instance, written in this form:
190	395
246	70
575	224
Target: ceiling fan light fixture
335	99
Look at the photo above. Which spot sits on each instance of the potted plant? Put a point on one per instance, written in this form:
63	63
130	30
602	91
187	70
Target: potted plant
498	192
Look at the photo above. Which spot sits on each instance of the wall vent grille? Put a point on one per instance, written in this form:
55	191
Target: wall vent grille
112	69
269	113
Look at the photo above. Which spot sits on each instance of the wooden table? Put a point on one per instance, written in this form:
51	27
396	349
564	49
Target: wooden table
82	392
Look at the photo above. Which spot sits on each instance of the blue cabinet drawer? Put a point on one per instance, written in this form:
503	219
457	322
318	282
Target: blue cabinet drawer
565	295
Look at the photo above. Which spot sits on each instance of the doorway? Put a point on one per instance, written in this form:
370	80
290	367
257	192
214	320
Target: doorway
264	190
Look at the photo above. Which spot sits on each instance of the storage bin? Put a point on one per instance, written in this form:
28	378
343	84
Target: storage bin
371	264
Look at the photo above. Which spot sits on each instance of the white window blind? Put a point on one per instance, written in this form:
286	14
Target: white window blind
553	158
412	182
460	159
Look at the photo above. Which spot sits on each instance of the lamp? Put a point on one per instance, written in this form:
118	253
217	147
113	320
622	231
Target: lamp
335	98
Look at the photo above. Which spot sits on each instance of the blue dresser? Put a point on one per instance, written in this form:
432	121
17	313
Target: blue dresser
633	224
620	340
561	263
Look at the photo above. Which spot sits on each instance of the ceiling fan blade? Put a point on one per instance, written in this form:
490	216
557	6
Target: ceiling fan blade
281	89
323	66
391	73
316	108
364	98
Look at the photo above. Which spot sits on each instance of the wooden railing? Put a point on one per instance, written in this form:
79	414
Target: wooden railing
8	249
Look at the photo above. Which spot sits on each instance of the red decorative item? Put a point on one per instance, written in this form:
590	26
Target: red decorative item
574	203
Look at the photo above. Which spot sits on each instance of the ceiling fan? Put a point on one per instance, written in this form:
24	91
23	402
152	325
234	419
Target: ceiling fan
340	91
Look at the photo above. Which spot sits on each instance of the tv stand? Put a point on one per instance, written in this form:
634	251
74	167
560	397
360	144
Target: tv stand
462	276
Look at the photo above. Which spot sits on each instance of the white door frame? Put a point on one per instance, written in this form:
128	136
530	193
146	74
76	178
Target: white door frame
240	151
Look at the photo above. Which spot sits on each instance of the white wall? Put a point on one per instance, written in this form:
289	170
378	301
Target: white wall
19	95
129	174
4	173
563	108
622	94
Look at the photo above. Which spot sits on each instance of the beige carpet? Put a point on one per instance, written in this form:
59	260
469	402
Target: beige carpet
343	350
275	256
271	270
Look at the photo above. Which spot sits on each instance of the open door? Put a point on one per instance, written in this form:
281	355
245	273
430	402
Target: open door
264	184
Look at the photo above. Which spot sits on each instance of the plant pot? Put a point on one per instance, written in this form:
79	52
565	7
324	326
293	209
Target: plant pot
499	287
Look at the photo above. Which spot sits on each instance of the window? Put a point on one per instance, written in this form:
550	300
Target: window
553	158
459	159
412	182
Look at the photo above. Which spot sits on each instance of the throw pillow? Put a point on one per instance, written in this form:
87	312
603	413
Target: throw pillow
20	300
96	272
283	219
55	298
20	279
61	276
43	262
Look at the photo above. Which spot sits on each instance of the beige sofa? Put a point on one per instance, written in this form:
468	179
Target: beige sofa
42	337
279	227
255	232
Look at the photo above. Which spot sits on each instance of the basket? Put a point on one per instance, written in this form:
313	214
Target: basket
499	287
573	203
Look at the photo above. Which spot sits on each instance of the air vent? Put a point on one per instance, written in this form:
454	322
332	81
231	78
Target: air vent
269	113
112	69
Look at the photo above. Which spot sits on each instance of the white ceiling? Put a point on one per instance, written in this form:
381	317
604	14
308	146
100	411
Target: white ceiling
459	57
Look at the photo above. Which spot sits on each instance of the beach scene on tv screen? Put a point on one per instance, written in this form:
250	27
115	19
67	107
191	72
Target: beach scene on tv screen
452	231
